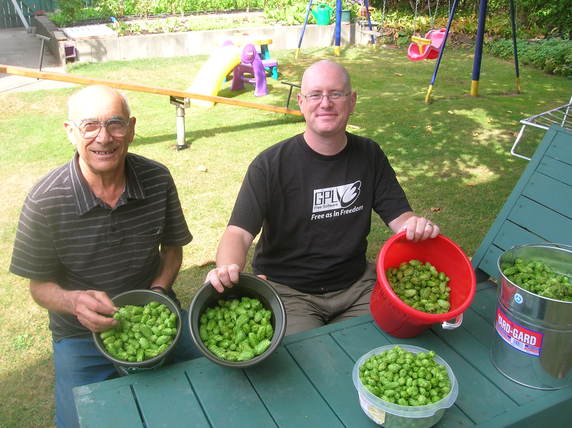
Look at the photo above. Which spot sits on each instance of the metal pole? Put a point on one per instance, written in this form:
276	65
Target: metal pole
514	46
479	48
366	4
441	52
180	104
43	38
21	15
303	28
181	143
338	31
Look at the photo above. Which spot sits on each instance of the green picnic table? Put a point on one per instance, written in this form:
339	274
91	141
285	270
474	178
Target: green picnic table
307	382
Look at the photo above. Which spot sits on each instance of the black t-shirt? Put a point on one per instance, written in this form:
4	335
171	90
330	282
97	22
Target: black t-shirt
315	211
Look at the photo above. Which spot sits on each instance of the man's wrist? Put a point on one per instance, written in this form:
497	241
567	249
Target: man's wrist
159	288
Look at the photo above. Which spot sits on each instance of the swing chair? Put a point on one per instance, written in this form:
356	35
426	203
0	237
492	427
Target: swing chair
427	47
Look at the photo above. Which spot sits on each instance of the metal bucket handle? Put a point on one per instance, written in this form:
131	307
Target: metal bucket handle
453	325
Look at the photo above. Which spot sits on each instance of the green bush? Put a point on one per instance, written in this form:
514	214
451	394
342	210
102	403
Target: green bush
554	56
287	12
74	11
399	22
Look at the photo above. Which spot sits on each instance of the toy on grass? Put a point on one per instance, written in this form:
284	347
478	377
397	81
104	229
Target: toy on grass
270	64
250	70
210	77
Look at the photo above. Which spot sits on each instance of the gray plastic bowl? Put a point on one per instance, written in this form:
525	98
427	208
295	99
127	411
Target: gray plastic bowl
141	298
249	286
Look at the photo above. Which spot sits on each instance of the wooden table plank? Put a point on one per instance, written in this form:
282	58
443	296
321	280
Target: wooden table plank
182	404
553	410
289	395
360	339
545	222
550	192
478	355
512	234
561	148
331	374
226	395
478	398
555	169
485	304
109	404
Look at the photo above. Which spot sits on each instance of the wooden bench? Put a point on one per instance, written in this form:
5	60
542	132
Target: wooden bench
539	209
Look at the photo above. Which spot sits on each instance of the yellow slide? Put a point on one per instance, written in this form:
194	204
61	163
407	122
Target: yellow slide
213	72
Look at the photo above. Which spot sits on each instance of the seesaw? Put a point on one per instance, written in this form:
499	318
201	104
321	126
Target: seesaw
180	99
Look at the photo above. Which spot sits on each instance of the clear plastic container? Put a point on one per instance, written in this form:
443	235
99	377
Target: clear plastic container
392	415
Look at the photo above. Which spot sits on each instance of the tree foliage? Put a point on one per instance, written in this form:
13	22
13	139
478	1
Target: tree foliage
551	18
554	17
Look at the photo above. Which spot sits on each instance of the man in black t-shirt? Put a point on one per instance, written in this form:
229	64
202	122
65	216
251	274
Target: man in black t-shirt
312	197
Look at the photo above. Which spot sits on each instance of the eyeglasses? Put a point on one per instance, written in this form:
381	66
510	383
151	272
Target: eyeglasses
316	97
90	129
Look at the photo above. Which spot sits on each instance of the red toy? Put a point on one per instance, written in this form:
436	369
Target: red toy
428	47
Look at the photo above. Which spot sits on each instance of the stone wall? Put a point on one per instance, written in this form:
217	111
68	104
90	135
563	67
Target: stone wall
112	48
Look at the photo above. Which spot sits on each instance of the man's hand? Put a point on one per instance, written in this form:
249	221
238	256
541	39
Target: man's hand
419	228
223	276
91	307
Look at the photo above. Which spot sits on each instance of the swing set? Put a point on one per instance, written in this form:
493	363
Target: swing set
337	30
433	45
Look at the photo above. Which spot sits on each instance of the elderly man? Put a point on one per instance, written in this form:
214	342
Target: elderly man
106	222
312	196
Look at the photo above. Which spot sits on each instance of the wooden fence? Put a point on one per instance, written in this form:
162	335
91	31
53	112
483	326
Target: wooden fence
9	17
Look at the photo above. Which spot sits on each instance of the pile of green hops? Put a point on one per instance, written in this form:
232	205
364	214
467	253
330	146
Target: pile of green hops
539	279
421	286
143	332
405	378
237	329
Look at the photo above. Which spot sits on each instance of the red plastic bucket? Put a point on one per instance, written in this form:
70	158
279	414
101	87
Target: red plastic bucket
397	318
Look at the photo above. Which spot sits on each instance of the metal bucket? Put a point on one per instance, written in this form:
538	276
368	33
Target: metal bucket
533	344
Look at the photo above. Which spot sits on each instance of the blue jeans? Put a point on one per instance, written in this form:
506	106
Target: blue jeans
77	361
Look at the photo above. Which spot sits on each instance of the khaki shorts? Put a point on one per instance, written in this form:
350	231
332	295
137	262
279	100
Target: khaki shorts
305	311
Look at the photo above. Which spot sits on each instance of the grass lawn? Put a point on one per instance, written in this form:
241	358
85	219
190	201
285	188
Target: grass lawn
452	158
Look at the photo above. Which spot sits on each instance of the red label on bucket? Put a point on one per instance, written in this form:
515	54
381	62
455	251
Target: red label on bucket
517	336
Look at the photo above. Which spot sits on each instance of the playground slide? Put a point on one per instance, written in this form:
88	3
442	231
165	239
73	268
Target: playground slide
221	62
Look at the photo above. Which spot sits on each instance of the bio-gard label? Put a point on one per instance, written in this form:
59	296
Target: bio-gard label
517	336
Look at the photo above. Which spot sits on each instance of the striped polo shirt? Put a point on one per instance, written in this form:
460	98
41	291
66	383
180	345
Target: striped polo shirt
69	236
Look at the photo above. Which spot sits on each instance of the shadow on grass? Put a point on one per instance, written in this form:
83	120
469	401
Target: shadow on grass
26	398
193	135
189	281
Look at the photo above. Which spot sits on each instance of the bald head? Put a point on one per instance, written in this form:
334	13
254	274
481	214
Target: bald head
96	96
326	66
